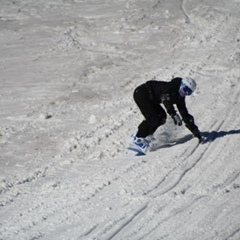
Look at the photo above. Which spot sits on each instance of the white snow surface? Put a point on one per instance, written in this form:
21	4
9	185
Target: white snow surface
68	69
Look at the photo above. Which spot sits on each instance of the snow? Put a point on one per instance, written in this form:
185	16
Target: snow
68	71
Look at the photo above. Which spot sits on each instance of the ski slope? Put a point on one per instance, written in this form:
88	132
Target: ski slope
68	71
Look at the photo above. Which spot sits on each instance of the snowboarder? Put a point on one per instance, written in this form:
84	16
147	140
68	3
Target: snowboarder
149	97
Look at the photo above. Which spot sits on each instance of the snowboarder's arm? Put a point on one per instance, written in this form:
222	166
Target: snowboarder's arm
189	121
171	110
168	104
190	124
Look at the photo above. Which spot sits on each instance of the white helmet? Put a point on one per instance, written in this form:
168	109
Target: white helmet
187	87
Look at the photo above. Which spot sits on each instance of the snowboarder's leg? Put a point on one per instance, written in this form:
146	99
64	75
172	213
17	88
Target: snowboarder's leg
154	114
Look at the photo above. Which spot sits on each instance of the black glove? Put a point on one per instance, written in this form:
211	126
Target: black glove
197	134
177	120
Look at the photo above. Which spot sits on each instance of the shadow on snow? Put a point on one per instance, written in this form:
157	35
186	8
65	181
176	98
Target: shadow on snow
211	136
208	137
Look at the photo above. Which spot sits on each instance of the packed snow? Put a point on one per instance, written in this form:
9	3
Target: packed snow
68	69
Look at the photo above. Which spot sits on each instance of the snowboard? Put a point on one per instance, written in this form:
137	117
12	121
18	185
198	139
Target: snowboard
137	151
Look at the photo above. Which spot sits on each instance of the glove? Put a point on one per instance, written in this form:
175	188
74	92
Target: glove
177	120
197	134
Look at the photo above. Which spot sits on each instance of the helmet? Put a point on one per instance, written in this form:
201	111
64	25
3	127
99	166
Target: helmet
187	87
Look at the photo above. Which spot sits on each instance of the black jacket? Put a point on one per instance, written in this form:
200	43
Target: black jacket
167	93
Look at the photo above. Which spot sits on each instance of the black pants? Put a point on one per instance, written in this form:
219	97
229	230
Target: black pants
154	114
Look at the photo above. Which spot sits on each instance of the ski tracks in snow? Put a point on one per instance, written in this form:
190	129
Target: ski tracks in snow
93	190
204	173
195	179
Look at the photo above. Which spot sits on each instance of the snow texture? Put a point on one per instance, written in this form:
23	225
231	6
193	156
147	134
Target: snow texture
68	70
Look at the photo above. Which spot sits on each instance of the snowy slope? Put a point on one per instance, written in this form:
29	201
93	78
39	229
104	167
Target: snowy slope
68	71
